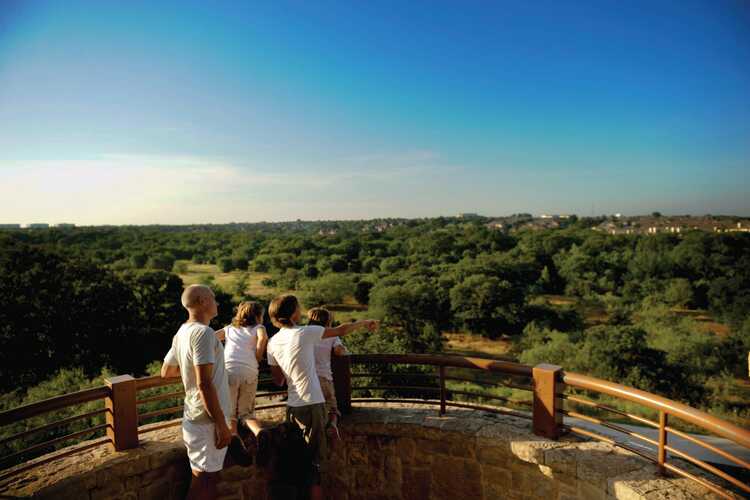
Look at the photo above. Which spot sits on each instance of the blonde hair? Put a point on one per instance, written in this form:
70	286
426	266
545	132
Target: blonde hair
281	310
247	314
320	316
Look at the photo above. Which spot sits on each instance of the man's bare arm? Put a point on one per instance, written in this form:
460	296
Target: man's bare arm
277	375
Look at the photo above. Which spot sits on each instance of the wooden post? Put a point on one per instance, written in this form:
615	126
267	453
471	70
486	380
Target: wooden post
442	390
122	413
547	420
662	451
341	366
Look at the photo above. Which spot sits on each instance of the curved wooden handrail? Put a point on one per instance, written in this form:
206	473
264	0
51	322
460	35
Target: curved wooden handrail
548	384
154	381
683	412
51	404
491	365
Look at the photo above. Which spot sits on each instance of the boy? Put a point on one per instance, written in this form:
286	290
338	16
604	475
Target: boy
291	356
198	357
323	317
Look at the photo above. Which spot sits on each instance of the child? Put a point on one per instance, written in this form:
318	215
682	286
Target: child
245	344
323	317
291	356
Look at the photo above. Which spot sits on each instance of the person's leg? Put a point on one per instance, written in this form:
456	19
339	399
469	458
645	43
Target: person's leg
246	405
329	392
246	416
205	459
312	420
319	446
234	392
203	486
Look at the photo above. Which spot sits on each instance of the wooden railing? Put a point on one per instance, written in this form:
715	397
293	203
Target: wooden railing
554	394
544	394
41	445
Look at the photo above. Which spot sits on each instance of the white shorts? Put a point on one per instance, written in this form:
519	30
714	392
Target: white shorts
200	441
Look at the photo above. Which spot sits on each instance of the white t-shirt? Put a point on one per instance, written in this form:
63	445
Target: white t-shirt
196	344
293	350
323	356
240	347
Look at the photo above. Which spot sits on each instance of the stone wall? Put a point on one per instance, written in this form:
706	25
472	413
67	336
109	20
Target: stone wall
395	452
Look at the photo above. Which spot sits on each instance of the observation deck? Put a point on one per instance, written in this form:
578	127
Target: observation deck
409	431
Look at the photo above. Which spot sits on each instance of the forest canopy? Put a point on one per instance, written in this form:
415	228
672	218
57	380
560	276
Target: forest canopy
96	298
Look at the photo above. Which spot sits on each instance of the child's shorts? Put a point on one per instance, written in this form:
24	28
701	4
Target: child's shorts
312	420
329	392
200	441
242	389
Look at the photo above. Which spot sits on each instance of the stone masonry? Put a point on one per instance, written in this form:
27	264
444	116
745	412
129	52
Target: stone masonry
388	452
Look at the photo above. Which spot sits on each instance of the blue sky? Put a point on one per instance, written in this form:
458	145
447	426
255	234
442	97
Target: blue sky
178	112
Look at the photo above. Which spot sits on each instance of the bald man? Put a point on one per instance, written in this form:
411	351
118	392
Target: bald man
198	357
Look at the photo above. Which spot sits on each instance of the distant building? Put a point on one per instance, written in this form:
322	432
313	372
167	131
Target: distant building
38	225
496	224
468	215
740	228
541	223
64	225
10	226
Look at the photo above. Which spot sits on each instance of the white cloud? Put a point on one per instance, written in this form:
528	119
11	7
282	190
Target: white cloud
120	189
147	189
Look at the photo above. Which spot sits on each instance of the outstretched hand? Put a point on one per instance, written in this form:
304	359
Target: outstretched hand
372	325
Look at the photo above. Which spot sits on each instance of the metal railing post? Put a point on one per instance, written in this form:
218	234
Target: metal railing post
661	456
547	420
122	413
341	366
442	390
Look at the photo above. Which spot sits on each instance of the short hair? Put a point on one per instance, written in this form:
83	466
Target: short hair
193	294
247	314
319	316
281	310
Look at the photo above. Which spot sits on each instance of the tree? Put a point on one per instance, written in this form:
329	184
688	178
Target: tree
362	292
338	264
392	264
330	289
310	271
157	295
161	261
679	292
60	312
138	260
415	309
225	264
487	305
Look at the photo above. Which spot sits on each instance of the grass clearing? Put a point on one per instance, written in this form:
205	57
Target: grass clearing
466	344
197	273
